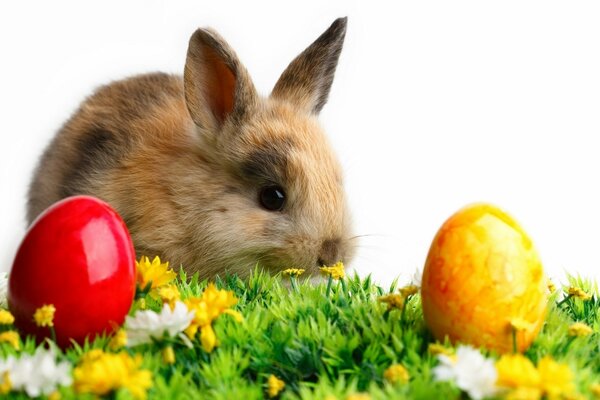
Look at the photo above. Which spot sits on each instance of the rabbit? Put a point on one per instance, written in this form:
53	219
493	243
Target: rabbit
204	171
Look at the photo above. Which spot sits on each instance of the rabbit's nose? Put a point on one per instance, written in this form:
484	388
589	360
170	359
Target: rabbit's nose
329	252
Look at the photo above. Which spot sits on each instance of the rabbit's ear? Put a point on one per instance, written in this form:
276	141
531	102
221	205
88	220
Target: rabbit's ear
216	84
307	80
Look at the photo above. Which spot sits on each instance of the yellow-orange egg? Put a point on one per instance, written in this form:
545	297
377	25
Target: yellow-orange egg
482	280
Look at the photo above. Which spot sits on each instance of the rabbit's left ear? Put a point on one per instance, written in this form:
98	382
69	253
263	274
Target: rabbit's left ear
307	80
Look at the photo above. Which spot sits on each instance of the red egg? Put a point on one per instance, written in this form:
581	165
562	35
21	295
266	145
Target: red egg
77	256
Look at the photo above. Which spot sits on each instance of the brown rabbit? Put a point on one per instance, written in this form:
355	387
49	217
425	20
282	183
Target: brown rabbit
205	172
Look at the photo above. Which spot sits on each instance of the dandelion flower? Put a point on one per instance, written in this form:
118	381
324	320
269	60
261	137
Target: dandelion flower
392	301
208	338
274	386
5	383
556	378
396	373
551	286
168	355
12	338
578	293
293	271
6	318
358	396
524	393
436	348
519	324
336	271
595	389
517	371
54	395
213	303
169	294
155	273
36	374
470	371
44	316
580	329
101	373
409	290
118	341
147	324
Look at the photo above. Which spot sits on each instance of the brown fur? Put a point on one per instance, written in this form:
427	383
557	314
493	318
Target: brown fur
183	161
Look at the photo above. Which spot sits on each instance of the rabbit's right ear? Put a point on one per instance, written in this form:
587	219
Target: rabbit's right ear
307	80
217	87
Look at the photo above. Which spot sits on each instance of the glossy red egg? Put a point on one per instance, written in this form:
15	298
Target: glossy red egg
77	256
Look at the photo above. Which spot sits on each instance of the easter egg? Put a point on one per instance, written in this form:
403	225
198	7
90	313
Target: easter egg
483	283
78	257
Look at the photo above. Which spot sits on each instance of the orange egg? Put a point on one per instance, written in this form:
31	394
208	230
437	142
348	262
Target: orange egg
483	280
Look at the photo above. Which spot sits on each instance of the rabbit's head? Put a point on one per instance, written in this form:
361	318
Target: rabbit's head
279	200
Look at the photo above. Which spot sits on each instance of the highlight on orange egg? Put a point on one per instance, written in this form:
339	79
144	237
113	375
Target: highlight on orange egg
483	281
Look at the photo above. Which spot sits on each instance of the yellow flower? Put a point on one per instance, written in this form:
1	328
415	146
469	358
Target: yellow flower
396	373
207	308
579	329
524	393
156	272
293	271
275	386
393	301
12	338
101	373
44	316
169	294
516	371
595	389
336	271
54	395
436	348
551	286
208	338
409	290
358	396
556	379
119	340
168	355
5	383
6	318
519	324
578	293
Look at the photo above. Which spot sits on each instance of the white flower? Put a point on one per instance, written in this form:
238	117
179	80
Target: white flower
37	374
145	325
417	276
3	289
471	372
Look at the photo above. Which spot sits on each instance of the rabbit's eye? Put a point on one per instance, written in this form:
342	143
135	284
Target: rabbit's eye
272	198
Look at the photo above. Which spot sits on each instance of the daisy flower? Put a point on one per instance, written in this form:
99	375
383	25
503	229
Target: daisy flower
3	289
37	374
469	370
145	325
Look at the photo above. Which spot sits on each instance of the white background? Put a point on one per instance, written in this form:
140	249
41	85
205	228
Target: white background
435	105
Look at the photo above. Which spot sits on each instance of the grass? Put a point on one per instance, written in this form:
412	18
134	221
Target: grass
336	345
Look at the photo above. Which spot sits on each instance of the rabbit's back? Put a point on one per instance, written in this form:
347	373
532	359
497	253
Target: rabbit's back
119	123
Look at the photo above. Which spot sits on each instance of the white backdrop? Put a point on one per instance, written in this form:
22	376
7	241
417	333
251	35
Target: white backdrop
435	105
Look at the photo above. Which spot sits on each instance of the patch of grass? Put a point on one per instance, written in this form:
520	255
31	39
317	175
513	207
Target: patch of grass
335	345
